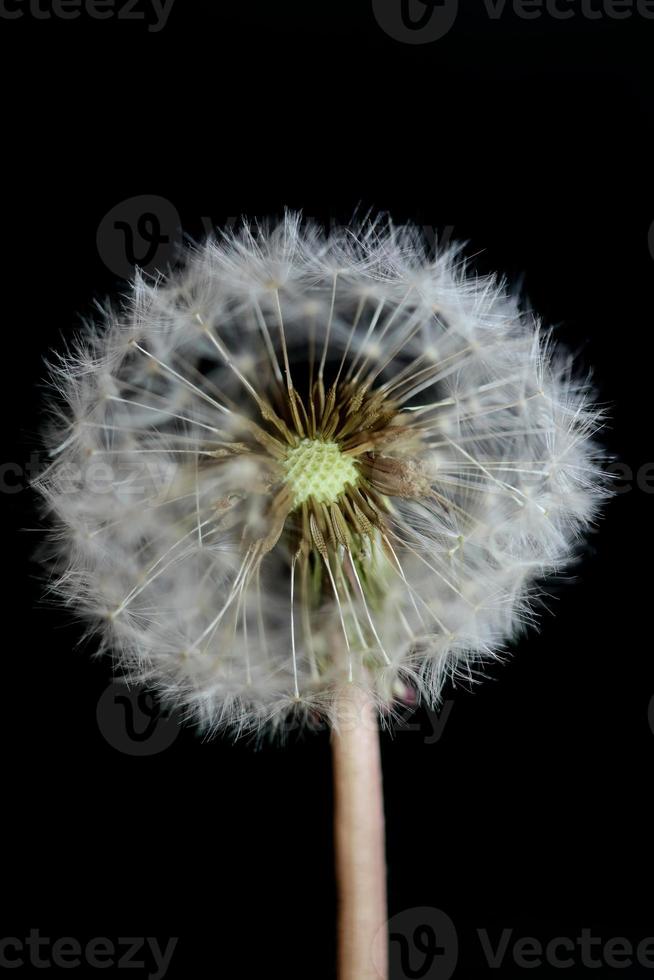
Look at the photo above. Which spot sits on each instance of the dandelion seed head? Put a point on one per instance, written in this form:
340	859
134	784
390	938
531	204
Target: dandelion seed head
303	460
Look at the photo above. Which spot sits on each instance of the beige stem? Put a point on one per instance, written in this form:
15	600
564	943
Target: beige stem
359	840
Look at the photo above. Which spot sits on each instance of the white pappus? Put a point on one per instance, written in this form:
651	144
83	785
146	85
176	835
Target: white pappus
302	460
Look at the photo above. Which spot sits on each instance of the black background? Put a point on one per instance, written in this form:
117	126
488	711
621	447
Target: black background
531	140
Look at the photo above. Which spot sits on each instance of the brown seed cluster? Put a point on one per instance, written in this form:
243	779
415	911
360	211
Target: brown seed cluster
343	437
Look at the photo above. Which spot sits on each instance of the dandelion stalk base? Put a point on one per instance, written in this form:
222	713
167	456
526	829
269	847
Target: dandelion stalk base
359	840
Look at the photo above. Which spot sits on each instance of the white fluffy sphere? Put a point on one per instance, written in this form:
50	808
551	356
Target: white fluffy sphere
301	461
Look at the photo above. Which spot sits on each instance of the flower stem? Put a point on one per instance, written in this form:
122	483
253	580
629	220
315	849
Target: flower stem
359	839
